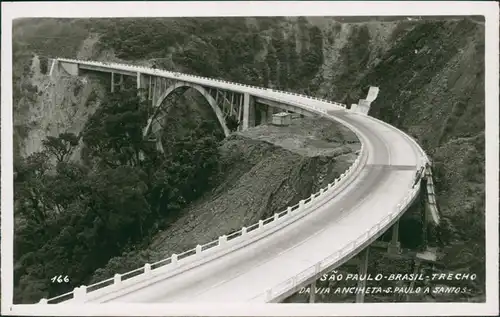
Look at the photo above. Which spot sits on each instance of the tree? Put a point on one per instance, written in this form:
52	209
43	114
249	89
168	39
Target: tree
114	132
44	65
118	198
61	147
232	123
67	185
29	186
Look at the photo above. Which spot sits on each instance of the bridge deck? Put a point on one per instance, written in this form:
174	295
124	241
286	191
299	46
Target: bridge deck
107	70
246	274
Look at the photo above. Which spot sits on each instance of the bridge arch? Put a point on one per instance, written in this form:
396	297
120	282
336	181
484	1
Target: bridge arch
211	101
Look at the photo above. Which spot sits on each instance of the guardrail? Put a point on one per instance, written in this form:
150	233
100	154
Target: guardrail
431	196
370	235
424	158
150	70
228	243
340	255
121	281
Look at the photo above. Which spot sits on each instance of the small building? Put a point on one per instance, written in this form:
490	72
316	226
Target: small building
282	118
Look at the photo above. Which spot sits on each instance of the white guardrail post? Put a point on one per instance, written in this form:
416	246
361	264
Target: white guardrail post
222	240
117	280
301	205
79	294
147	269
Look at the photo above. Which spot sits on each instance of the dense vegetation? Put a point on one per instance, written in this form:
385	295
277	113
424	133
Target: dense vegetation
74	216
197	45
432	82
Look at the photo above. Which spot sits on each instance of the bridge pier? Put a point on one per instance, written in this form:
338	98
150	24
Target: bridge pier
240	112
248	111
232	103
263	116
394	247
120	83
149	89
312	293
153	90
270	111
158	84
363	269
141	85
162	83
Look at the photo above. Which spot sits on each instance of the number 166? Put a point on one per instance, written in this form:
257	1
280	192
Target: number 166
60	279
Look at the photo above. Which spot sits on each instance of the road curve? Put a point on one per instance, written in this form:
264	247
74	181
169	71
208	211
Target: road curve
243	275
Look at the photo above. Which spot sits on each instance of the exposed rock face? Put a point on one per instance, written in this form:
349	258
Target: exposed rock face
56	105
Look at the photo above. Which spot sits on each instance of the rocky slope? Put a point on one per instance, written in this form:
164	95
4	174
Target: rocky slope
432	84
430	74
49	106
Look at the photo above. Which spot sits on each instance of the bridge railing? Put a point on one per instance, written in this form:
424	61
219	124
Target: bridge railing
342	255
206	78
216	248
362	241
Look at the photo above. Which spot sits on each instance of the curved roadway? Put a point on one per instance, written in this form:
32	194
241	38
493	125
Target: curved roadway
245	274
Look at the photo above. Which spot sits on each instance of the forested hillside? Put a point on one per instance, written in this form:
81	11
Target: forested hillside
73	216
431	79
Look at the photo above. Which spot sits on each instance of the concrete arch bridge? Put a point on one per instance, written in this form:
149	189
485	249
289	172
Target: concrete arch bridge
273	258
246	109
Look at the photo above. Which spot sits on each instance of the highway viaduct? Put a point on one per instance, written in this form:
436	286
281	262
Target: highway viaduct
389	160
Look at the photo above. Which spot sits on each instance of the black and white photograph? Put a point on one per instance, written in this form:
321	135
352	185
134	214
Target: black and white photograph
158	154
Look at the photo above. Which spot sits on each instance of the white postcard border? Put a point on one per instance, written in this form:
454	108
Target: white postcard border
490	10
